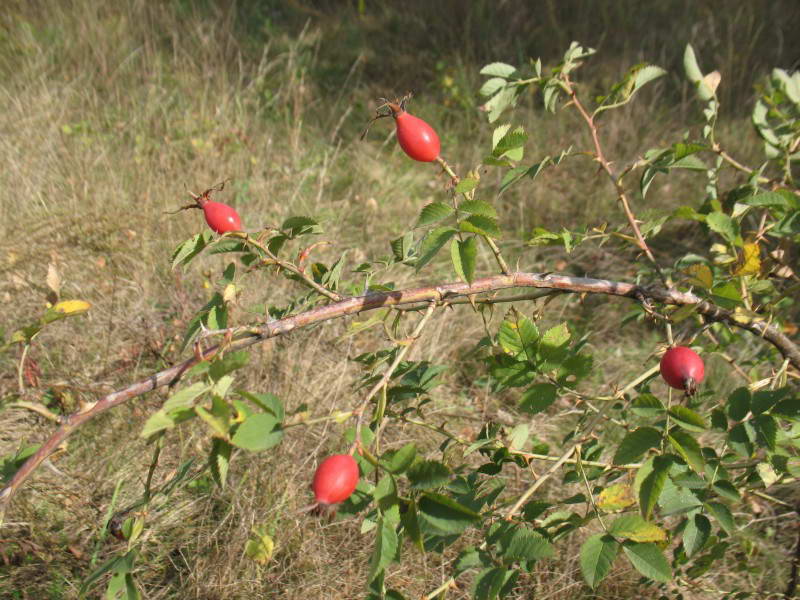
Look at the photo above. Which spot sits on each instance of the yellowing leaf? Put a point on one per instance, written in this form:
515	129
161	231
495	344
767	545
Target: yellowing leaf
744	316
18	337
767	474
635	528
260	546
616	497
700	274
229	294
750	261
72	307
648	533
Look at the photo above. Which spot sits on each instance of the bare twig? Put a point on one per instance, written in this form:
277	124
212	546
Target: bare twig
439	294
37	408
539	482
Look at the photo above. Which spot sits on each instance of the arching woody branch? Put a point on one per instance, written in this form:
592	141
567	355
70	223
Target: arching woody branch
438	293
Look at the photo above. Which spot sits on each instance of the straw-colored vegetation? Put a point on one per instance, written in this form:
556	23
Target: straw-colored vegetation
112	111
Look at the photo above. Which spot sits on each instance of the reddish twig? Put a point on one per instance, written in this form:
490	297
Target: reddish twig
615	180
440	294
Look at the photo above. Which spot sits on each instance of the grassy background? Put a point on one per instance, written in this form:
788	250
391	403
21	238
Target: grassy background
112	110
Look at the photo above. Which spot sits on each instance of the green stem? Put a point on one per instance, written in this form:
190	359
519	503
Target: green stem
579	466
288	266
359	412
667	423
153	464
489	241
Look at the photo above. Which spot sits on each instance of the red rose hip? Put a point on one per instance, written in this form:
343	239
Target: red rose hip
682	368
221	217
335	479
416	137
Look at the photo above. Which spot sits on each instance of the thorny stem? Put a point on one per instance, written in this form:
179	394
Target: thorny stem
359	412
498	257
606	166
573	461
489	301
440	294
735	163
587	400
772	498
449	170
489	241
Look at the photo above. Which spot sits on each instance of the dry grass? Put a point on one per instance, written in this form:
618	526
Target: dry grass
111	111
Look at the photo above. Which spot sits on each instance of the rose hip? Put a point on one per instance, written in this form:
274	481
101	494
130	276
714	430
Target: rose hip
335	479
416	137
682	368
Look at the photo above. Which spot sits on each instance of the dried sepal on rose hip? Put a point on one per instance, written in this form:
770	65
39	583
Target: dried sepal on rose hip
417	139
220	217
335	480
682	368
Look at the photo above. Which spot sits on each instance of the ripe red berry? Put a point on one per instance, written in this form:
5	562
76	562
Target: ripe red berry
682	368
416	137
335	479
221	217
